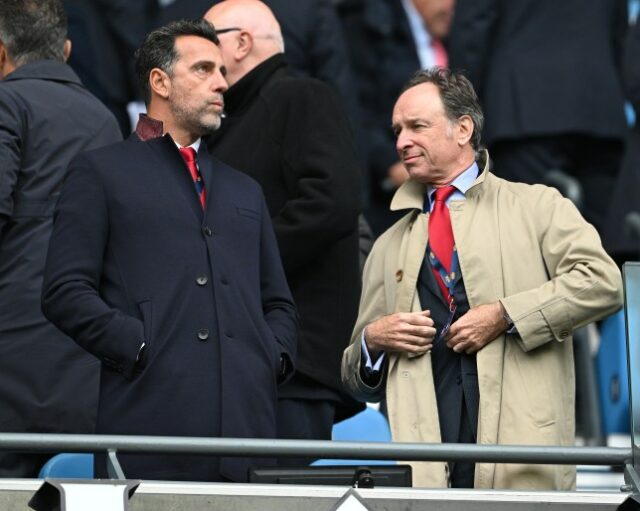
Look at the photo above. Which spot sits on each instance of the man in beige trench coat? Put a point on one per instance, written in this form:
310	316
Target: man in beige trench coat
499	369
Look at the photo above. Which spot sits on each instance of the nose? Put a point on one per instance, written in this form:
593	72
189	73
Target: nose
403	141
220	83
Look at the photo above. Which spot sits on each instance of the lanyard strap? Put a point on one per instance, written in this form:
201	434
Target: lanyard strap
450	279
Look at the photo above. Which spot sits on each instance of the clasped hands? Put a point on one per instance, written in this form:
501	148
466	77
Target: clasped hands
414	332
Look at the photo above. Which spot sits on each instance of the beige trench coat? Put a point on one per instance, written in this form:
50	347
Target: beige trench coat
529	248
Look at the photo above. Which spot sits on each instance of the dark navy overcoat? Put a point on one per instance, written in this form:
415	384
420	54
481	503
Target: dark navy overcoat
134	259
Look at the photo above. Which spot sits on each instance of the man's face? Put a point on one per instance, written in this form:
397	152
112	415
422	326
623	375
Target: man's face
437	15
197	84
427	141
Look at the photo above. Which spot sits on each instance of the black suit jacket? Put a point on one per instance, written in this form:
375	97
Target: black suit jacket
543	67
455	375
133	258
47	383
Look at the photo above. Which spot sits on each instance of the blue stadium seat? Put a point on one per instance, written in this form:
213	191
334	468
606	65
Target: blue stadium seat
68	466
611	366
367	426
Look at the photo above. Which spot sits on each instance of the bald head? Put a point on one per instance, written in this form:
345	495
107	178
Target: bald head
256	35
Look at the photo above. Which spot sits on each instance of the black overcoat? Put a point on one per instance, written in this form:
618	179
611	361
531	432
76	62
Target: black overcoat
292	136
132	258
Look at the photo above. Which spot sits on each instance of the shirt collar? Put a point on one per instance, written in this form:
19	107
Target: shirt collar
195	145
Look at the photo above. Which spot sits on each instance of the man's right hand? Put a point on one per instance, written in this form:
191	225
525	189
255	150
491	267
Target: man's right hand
410	332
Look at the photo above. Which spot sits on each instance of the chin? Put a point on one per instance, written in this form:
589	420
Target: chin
209	127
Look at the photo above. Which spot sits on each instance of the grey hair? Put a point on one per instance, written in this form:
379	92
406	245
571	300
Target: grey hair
33	30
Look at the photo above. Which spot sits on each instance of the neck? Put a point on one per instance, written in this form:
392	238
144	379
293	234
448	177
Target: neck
462	164
181	135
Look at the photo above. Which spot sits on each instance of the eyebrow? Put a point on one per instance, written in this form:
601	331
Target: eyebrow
409	122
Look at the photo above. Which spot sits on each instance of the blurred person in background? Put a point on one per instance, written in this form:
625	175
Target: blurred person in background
622	231
388	40
548	74
48	384
105	34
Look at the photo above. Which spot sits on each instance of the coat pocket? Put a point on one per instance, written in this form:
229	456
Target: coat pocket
145	308
249	213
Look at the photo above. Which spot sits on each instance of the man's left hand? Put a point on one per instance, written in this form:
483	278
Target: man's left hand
479	326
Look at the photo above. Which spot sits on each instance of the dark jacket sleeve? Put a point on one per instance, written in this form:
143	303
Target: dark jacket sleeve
74	273
10	144
277	304
619	30
631	67
320	169
471	39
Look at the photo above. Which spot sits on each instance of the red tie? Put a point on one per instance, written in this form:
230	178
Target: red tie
189	157
441	234
440	53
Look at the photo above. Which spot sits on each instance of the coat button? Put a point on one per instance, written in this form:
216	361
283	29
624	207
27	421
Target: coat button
399	275
207	230
564	334
202	280
229	335
203	334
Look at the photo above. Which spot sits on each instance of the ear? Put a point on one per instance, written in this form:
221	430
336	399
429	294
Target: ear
159	83
465	130
66	51
6	63
3	58
244	45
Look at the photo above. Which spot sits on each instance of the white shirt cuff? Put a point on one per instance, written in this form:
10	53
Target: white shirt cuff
369	365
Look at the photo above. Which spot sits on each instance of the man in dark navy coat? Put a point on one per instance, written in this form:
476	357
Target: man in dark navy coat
47	383
178	290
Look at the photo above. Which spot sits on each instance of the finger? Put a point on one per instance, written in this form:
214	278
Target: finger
460	347
412	348
426	313
471	350
426	331
417	340
455	339
419	319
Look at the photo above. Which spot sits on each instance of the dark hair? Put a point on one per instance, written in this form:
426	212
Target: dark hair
158	48
33	30
458	97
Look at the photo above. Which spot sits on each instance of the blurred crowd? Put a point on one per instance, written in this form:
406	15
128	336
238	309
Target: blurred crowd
552	84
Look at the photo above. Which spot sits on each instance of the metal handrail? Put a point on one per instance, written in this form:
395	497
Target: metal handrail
43	442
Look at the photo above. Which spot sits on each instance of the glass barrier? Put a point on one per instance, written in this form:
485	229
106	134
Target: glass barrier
631	276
